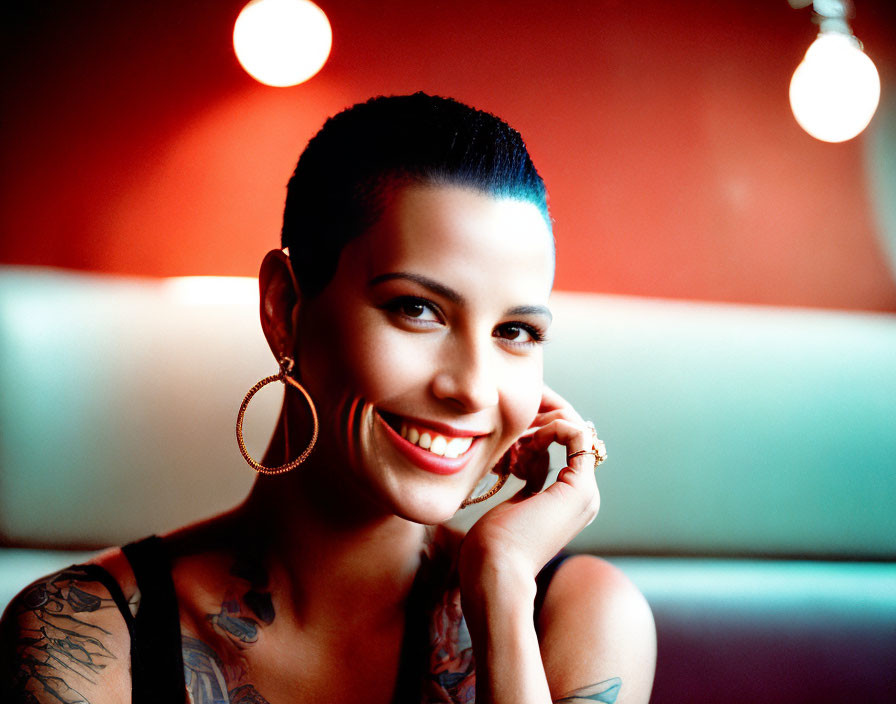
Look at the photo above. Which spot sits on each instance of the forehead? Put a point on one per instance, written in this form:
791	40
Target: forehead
461	236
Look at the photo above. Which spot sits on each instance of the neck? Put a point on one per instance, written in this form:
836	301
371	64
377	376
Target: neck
332	546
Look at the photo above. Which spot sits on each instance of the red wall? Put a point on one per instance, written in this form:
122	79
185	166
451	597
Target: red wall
133	142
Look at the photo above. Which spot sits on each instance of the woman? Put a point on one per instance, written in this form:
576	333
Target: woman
408	321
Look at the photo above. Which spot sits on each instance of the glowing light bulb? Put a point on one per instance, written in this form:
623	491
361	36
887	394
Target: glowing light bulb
835	90
282	42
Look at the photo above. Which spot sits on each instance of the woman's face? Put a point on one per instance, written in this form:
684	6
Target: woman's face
424	352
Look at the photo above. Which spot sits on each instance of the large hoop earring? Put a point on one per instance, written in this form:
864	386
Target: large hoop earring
286	365
469	501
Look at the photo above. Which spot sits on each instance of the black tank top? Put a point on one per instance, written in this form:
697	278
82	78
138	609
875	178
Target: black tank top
157	668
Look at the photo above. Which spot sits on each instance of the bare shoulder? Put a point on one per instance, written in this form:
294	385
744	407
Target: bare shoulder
597	635
65	639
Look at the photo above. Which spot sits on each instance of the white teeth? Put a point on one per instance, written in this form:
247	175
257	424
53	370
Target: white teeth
458	446
439	445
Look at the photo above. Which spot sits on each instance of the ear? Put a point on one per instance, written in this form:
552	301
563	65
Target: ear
279	302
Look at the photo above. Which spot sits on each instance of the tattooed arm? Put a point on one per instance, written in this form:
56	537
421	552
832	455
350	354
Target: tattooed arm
594	625
595	639
606	691
597	636
63	640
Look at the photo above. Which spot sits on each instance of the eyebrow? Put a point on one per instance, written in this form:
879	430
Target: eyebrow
451	295
433	285
530	310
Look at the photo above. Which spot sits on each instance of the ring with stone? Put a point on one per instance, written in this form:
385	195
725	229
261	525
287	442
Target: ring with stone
598	448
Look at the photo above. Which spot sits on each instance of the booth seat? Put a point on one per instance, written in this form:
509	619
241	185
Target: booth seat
750	490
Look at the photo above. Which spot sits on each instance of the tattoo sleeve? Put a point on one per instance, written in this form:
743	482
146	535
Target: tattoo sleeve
58	650
605	691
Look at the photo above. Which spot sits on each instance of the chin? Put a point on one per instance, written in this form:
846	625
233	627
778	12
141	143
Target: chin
412	483
425	509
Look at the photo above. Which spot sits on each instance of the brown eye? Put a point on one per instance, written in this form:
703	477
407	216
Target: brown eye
417	309
516	333
413	309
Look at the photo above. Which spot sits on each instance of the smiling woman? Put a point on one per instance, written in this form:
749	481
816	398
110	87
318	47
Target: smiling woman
423	334
410	310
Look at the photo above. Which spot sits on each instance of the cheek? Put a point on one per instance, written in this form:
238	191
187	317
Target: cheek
384	368
363	358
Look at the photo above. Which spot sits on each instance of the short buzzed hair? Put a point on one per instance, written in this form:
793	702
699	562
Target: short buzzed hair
362	154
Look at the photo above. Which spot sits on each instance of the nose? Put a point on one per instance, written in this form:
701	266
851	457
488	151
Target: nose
466	377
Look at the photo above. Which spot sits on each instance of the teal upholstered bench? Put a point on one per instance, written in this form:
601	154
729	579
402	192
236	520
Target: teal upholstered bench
750	488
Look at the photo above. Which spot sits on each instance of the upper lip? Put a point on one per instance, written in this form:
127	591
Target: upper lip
443	429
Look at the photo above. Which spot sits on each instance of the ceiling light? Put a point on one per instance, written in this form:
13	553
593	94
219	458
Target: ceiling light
835	90
282	42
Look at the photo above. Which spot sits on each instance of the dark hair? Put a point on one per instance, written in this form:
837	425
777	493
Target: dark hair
362	153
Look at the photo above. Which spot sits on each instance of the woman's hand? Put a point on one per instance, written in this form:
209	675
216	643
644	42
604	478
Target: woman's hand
520	535
506	548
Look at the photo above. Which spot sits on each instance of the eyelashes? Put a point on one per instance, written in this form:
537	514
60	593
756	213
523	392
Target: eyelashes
511	332
415	309
422	313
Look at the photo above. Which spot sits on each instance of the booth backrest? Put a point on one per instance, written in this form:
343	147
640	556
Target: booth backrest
732	430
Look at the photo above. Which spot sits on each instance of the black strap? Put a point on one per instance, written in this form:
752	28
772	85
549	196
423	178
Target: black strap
99	574
414	659
79	573
157	667
543	579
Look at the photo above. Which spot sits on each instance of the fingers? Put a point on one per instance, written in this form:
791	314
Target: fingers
584	485
553	516
552	401
532	464
574	436
546	417
564	508
557	421
575	492
553	408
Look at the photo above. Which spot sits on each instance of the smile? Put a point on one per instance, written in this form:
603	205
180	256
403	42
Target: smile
441	450
435	443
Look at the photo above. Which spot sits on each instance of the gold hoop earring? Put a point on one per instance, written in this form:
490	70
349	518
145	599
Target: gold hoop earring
469	501
286	365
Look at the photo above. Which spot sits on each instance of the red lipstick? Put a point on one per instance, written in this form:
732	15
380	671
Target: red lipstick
425	459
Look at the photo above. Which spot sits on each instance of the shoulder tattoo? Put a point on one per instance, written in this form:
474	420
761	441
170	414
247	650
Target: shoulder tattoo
57	651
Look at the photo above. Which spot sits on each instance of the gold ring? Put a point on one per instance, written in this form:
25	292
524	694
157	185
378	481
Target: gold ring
598	448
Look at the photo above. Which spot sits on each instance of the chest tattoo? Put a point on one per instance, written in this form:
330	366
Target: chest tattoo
221	676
